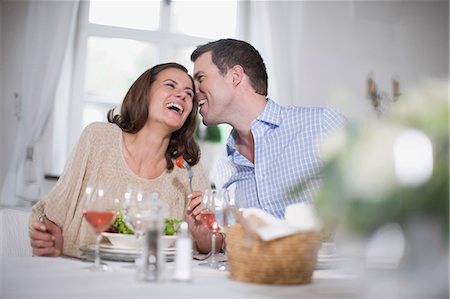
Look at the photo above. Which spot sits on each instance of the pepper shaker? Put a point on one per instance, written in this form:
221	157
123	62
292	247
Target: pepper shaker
152	267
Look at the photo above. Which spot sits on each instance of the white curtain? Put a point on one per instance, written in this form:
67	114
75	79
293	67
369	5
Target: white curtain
50	27
275	29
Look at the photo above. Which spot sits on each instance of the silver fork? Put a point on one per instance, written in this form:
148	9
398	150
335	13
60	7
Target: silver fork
190	173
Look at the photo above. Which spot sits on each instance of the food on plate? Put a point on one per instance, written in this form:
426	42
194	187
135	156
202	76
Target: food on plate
119	226
171	226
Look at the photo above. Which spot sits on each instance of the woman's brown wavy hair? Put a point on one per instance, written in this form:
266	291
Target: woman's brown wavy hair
134	114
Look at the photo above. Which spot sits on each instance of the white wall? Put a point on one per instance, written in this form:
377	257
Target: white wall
13	22
1	91
328	48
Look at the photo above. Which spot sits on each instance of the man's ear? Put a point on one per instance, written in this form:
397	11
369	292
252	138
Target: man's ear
237	73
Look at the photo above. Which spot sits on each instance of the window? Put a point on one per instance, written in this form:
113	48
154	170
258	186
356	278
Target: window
118	40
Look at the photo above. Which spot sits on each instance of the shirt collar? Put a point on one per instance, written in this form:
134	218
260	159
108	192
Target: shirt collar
271	115
231	143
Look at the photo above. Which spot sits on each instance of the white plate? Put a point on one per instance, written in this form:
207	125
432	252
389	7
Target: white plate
327	261
109	252
124	241
116	249
111	248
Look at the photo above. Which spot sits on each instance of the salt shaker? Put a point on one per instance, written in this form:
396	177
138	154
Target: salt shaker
183	258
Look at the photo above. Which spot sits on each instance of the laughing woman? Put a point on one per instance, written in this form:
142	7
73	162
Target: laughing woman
156	124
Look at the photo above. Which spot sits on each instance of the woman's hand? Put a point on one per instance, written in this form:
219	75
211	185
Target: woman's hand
195	205
199	231
46	238
192	214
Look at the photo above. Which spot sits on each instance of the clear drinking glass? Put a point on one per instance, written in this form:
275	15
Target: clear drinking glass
225	219
209	216
99	211
138	211
133	211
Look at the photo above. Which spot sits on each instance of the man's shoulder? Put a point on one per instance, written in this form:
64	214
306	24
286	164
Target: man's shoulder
309	112
296	109
308	118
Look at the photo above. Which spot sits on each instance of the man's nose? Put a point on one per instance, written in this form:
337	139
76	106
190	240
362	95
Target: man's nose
197	86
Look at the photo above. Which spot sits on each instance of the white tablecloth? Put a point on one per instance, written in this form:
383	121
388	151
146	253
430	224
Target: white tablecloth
14	239
40	277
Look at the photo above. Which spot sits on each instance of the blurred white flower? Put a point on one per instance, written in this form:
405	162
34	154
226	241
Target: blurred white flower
413	158
369	169
386	170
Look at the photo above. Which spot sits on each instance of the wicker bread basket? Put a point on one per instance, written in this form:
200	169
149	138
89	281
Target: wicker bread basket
288	260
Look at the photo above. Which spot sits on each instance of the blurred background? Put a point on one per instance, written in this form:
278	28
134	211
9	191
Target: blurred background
64	64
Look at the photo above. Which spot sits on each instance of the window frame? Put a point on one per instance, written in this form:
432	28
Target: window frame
162	38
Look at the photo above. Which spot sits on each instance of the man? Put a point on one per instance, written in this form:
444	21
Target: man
271	149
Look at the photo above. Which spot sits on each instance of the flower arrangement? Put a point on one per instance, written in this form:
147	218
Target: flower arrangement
390	169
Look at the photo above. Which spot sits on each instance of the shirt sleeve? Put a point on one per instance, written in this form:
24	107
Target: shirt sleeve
331	120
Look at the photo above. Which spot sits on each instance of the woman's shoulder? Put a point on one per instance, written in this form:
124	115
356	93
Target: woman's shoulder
101	127
100	130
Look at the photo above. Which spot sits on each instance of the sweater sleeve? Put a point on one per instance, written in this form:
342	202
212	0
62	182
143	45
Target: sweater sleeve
61	201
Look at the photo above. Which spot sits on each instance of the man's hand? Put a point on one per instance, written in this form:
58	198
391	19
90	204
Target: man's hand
46	238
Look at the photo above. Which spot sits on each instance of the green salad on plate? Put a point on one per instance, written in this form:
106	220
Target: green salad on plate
119	226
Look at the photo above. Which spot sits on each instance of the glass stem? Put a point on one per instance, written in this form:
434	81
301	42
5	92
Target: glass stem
139	259
97	251
213	248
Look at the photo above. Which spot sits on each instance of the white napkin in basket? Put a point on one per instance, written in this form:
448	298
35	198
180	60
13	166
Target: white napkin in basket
298	217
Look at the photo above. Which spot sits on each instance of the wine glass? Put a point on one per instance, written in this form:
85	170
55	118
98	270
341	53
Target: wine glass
132	211
224	219
213	208
99	212
132	215
138	211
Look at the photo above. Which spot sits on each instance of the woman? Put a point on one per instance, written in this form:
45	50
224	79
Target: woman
137	147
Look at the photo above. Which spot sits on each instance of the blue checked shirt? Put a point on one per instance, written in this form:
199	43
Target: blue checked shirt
286	153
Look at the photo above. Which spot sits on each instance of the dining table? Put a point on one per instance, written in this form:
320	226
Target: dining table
66	277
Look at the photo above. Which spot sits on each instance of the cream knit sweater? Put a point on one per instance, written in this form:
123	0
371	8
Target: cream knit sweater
98	158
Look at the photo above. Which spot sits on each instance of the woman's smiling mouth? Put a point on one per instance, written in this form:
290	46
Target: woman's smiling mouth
176	107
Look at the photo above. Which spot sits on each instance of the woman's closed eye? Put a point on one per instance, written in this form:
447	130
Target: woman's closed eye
190	93
173	85
170	84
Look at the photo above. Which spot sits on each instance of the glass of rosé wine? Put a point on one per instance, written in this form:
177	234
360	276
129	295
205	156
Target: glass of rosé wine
99	211
210	217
